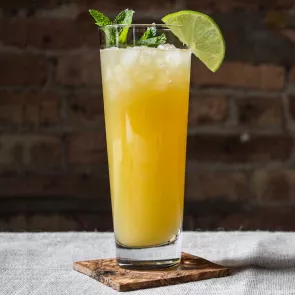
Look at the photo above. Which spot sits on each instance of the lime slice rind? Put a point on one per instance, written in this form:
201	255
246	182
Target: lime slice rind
199	32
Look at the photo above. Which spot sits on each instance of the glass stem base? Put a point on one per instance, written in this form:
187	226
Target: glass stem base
154	257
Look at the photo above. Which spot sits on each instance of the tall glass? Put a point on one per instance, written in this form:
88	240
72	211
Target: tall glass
146	92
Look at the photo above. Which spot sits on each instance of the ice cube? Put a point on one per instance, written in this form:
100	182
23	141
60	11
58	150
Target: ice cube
147	56
129	58
138	48
173	58
145	60
144	77
118	71
142	47
111	92
107	74
122	77
166	47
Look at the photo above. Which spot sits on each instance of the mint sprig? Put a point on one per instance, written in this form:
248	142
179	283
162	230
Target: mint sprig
119	34
153	42
123	18
100	18
149	33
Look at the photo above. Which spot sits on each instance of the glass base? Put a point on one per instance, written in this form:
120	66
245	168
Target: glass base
154	257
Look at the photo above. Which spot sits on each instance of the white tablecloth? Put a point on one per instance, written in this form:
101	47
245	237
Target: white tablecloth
41	263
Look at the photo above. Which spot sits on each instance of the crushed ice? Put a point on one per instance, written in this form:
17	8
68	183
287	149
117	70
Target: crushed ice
166	47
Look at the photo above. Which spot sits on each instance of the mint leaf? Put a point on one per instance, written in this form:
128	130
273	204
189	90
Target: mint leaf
100	18
153	42
149	33
124	17
102	21
118	34
123	35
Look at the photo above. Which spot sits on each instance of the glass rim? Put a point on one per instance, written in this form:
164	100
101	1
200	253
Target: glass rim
164	26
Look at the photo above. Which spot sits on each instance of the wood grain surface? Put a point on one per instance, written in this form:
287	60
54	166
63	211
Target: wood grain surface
191	268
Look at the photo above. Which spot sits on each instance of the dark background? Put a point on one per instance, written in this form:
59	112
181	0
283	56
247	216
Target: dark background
53	164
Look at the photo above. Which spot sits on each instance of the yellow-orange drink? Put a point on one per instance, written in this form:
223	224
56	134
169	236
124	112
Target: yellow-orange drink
146	93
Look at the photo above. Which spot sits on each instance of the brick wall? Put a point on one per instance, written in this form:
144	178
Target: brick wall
241	157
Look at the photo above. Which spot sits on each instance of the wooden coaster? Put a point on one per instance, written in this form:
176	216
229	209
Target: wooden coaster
191	268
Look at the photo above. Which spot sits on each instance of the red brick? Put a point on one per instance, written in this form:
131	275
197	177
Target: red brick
53	33
152	6
18	223
22	70
274	185
207	110
292	75
11	108
4	225
87	148
11	153
114	6
260	112
214	148
49	33
288	33
275	219
32	4
29	152
85	109
46	153
248	5
241	75
87	30
66	222
63	186
48	109
19	29
277	20
264	218
95	222
189	223
75	70
230	186
241	216
52	222
29	108
234	221
292	106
